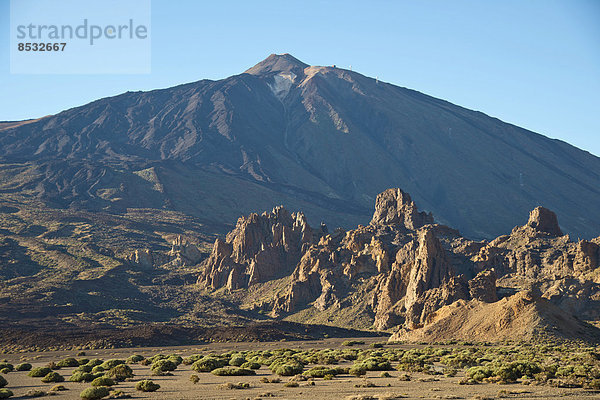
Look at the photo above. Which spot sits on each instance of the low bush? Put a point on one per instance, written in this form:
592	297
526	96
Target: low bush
94	362
108	364
134	359
68	362
232	371
163	365
5	393
194	378
251	365
120	372
147	386
237	360
103	381
321	372
39	372
98	369
23	367
208	364
80	376
357	370
5	365
3	381
95	393
352	342
239	385
53	377
35	393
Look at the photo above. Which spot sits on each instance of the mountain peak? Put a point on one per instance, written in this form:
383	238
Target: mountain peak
278	63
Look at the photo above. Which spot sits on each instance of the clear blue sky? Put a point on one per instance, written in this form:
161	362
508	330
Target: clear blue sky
532	63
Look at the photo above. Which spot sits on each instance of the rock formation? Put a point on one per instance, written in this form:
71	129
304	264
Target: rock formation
261	247
182	253
402	268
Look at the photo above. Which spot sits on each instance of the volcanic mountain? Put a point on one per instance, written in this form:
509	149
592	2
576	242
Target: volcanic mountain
321	139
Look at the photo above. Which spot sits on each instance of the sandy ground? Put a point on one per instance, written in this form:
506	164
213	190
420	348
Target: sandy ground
178	386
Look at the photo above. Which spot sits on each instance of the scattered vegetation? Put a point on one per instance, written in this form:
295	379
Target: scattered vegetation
5	393
35	393
232	371
103	381
80	376
95	392
147	386
53	377
239	385
23	367
39	372
68	362
120	372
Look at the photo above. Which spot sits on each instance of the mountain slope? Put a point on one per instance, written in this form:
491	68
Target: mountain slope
323	136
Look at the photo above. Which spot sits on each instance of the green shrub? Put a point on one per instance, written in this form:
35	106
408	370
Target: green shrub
321	372
95	393
98	369
479	373
23	367
83	361
94	362
103	381
239	385
194	378
207	364
175	359
237	360
134	359
68	362
57	388
291	384
147	386
80	376
53	377
352	342
85	368
376	364
39	372
111	364
3	382
8	366
120	372
232	371
35	393
251	365
164	365
5	393
357	370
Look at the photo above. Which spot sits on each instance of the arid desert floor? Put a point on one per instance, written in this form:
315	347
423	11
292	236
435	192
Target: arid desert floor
178	385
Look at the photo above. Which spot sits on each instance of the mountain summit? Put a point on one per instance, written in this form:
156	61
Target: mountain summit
278	63
321	139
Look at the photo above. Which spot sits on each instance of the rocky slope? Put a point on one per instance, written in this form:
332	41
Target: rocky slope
321	139
402	269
